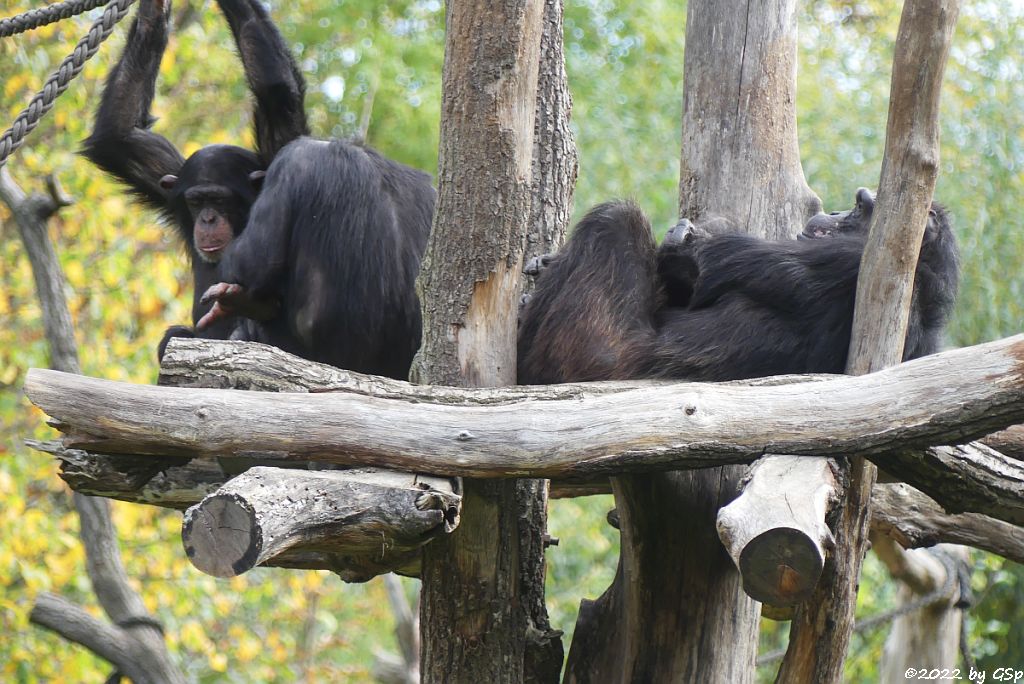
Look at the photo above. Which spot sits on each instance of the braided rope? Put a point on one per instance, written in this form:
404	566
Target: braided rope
45	15
58	81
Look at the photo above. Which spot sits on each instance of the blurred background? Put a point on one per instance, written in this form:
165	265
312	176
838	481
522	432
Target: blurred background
373	70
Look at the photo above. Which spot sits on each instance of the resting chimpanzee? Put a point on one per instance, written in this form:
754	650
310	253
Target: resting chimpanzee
327	264
208	196
708	306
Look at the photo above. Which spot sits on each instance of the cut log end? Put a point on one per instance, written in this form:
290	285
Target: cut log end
221	535
781	567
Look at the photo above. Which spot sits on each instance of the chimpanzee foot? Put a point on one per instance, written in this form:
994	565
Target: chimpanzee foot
535	266
680	233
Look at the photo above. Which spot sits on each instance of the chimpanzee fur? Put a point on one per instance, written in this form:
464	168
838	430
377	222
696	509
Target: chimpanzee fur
207	197
327	264
323	264
712	306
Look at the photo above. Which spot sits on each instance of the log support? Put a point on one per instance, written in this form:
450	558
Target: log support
776	531
369	522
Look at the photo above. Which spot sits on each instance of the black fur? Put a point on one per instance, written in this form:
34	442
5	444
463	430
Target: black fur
328	261
712	306
210	194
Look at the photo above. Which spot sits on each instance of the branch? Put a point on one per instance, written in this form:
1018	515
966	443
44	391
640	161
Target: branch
535	433
914	520
148	659
371	521
59	615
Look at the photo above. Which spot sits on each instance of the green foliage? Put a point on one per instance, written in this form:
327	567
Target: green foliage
374	71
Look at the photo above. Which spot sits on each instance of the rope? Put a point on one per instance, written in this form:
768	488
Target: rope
58	81
45	15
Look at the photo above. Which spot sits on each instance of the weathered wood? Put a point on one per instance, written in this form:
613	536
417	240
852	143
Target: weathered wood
931	633
376	520
775	531
1009	441
941	399
900	511
480	582
914	520
817	647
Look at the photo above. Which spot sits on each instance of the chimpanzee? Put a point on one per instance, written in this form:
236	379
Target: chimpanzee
712	306
327	264
208	196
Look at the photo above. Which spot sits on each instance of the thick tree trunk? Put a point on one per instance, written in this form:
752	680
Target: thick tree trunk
678	602
481	614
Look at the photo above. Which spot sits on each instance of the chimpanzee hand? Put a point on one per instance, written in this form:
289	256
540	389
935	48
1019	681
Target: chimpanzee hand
230	299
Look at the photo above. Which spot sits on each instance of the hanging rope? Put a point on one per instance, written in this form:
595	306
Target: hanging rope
45	15
58	81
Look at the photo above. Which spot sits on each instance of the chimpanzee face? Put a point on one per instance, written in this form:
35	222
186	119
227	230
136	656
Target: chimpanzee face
213	194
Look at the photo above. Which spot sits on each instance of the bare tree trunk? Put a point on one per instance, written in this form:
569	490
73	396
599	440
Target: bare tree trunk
818	646
676	611
481	615
136	645
927	637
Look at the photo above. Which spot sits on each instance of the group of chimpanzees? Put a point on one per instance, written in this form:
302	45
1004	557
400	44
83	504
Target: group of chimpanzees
712	305
314	246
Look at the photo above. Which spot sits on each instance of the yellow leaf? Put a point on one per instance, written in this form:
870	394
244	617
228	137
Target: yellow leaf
75	273
218	662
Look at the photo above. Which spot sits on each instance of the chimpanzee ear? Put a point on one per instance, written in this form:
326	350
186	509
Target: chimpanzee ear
256	178
168	181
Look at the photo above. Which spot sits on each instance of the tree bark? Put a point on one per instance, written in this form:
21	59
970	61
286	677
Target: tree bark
372	521
476	611
817	648
569	431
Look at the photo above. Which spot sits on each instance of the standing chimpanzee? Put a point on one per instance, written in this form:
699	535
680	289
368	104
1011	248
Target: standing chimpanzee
710	306
208	196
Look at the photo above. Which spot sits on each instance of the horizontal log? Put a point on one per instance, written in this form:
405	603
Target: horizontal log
914	520
181	486
372	519
544	432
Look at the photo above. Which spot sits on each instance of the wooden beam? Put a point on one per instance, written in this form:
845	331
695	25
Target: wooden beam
942	399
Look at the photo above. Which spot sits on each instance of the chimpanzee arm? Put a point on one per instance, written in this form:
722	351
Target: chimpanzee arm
121	142
274	78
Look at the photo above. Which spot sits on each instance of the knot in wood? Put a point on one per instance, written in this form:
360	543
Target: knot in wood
690	409
465	436
202	412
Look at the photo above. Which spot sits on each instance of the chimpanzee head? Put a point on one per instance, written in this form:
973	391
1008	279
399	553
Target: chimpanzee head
855	221
211	197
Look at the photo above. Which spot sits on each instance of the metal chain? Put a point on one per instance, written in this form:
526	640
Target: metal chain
42	16
58	81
